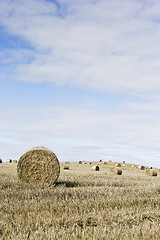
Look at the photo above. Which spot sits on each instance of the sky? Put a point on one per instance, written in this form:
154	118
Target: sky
81	78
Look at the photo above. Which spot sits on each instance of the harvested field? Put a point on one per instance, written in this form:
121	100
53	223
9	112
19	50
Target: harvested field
84	204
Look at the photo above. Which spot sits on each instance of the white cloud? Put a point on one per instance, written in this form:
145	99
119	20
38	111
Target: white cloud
107	45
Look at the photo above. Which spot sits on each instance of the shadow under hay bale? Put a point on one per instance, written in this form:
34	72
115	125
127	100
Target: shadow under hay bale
116	171
66	167
95	168
38	165
151	172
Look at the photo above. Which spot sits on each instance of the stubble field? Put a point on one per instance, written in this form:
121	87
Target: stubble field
84	204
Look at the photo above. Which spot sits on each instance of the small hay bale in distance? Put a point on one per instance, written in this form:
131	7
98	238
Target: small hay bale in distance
38	165
67	162
95	168
118	165
141	167
9	160
1	160
116	171
79	162
151	172
14	161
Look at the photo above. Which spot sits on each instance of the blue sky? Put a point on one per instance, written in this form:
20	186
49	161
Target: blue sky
81	78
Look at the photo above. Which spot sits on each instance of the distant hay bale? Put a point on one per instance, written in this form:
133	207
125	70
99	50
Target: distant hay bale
80	162
116	171
105	163
123	161
133	166
9	160
1	160
141	167
67	162
14	161
100	160
123	165
118	165
150	167
151	172
95	168
38	165
66	167
109	161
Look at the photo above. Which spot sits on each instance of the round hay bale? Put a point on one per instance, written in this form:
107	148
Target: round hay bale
9	160
38	165
80	162
105	163
100	160
14	161
116	171
67	162
141	167
95	168
118	165
151	172
0	160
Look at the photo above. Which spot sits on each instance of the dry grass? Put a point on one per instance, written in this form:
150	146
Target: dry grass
84	205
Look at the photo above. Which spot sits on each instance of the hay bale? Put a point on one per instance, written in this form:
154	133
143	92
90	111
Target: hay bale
105	163
1	160
38	165
95	168
100	160
123	161
67	162
116	171
9	160
79	162
14	161
141	167
109	161
118	165
151	172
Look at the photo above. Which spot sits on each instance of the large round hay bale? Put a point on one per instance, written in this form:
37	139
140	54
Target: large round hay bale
95	168
116	171
38	165
151	172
